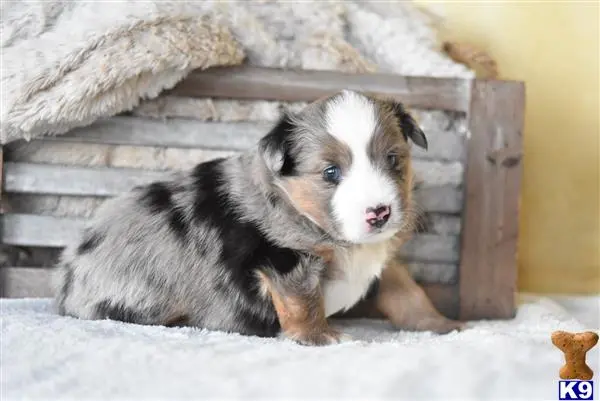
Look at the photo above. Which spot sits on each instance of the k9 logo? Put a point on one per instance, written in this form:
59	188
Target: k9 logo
575	390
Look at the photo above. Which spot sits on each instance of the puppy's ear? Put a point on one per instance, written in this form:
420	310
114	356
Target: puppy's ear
275	147
408	125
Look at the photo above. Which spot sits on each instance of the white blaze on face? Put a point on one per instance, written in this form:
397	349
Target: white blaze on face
352	119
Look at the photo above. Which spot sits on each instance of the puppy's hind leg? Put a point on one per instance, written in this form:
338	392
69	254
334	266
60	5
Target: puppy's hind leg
144	313
127	303
407	306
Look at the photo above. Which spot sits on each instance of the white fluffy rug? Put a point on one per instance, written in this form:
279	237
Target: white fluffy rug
45	356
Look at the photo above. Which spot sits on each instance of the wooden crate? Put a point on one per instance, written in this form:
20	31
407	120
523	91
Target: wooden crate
473	215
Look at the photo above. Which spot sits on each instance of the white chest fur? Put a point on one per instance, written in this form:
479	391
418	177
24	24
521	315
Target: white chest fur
355	269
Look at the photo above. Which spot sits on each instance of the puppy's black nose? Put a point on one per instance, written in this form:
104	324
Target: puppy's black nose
377	217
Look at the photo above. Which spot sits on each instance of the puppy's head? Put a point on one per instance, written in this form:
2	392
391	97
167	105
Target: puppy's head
344	163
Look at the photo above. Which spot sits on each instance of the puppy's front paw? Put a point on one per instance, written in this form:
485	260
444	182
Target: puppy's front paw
320	337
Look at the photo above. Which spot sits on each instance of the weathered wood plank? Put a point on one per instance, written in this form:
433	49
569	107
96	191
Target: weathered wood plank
442	199
46	231
236	136
25	282
51	231
85	206
35	282
431	248
443	224
74	180
431	173
440	273
103	181
175	133
2	200
488	267
247	82
445	298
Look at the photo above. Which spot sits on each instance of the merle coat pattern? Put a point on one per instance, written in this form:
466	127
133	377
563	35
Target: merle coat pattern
256	244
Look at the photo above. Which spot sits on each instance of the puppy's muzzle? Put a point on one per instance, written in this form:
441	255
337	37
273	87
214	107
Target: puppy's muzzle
377	217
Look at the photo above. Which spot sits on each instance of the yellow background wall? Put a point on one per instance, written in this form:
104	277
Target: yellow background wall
554	47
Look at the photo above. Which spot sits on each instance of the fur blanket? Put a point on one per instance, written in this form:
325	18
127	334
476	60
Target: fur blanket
67	64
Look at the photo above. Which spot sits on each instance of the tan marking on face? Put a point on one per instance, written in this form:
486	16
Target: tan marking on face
309	193
325	252
336	153
389	138
405	186
305	194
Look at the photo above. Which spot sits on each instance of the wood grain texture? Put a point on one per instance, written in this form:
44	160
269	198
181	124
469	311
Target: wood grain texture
441	273
25	282
40	231
247	82
443	199
487	245
175	133
488	266
35	178
51	231
439	190
56	205
1	179
445	298
236	136
432	221
35	282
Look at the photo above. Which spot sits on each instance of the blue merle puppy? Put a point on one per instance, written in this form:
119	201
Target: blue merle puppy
300	227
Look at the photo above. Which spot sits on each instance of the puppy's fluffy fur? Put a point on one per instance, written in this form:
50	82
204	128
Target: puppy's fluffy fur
274	240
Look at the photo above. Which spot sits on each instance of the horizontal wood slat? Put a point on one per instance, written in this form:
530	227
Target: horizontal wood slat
26	282
73	180
443	199
77	206
441	273
45	231
175	133
35	282
438	192
51	231
235	136
484	286
247	82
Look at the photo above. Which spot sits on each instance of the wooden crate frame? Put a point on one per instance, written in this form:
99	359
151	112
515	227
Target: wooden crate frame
494	109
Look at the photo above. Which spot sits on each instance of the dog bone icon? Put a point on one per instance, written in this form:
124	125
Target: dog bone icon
575	346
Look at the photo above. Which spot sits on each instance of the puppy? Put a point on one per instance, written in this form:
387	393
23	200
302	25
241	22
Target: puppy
275	240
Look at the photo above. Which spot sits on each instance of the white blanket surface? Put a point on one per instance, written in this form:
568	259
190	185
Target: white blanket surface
45	356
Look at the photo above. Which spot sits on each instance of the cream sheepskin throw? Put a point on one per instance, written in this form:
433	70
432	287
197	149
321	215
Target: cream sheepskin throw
67	64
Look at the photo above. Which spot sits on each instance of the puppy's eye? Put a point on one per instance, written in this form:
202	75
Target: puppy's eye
332	174
392	159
